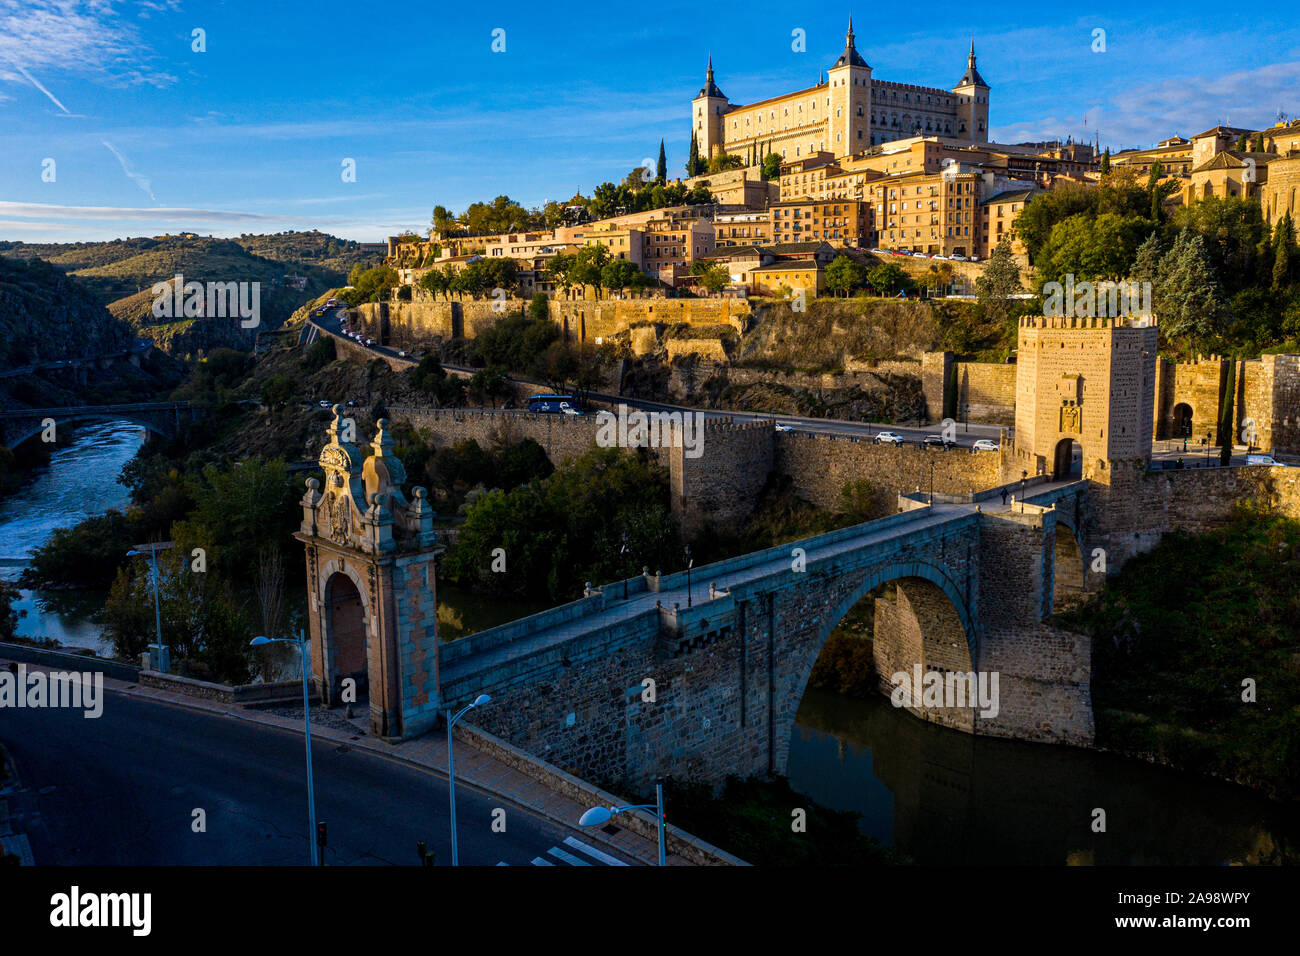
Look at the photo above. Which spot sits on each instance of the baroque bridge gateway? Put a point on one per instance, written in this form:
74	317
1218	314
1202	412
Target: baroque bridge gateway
659	683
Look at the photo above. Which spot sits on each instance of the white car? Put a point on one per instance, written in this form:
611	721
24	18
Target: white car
781	427
888	438
986	444
370	341
402	354
957	258
1264	460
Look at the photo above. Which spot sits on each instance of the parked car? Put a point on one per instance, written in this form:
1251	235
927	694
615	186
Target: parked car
938	440
888	438
974	258
986	444
1264	460
958	258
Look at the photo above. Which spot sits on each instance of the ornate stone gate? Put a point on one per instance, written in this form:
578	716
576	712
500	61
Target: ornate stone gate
371	584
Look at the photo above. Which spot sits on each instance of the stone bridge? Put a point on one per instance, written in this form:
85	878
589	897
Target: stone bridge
959	587
161	418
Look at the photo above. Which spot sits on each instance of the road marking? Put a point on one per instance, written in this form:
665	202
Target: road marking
591	851
567	857
538	861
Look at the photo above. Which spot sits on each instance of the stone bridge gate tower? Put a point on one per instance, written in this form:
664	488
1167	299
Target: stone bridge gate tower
370	581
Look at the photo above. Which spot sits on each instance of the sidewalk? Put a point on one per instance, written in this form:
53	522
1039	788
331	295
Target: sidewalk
473	768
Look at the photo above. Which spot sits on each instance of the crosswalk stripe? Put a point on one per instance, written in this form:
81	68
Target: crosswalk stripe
538	861
567	857
591	851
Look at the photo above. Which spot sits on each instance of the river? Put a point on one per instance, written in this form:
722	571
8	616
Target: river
944	797
80	481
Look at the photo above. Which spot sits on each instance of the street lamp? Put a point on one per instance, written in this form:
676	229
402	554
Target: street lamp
301	644
932	483
689	563
623	551
152	550
479	701
598	816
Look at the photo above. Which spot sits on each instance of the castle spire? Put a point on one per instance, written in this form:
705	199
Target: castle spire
850	56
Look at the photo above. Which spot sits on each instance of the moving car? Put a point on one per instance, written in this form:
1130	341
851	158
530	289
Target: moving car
568	409
938	440
888	438
986	444
1264	460
782	427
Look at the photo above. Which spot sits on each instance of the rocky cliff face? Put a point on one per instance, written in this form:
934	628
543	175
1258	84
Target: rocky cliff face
45	316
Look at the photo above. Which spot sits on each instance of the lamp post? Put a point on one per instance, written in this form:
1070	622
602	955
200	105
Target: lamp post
689	562
479	701
597	816
932	483
623	551
139	551
301	644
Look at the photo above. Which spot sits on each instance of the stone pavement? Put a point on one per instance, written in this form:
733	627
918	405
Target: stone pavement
473	768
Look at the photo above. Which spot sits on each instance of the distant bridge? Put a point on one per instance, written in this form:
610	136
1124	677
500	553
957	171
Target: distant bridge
161	418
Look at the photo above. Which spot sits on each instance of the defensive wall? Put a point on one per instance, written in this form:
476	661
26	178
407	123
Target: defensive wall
581	320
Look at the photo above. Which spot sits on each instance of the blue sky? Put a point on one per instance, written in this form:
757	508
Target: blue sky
149	136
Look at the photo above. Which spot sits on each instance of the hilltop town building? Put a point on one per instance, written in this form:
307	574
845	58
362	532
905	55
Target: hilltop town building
846	113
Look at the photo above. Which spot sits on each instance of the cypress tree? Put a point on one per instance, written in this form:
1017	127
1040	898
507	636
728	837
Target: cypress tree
1226	436
662	167
1105	161
1284	247
951	393
1259	142
693	157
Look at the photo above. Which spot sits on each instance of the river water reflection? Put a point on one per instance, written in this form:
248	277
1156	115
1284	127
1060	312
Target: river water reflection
942	796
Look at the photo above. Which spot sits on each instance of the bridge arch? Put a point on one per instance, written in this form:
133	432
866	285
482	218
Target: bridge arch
931	626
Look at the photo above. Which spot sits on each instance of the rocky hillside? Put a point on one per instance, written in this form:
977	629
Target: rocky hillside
45	316
122	272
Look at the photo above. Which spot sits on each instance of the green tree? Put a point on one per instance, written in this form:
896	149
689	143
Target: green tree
1188	297
772	166
1105	161
1091	248
844	276
1284	251
693	157
489	384
661	168
710	276
618	274
889	278
1227	431
539	309
999	281
279	390
1259	143
1146	263
724	161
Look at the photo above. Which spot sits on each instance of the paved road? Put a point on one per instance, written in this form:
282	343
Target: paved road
966	433
121	789
965	436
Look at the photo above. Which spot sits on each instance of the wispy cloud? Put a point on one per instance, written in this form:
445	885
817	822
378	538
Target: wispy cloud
138	178
79	37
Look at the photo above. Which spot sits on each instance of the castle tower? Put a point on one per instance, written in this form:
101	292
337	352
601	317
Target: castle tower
972	103
707	110
850	95
1085	395
370	582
